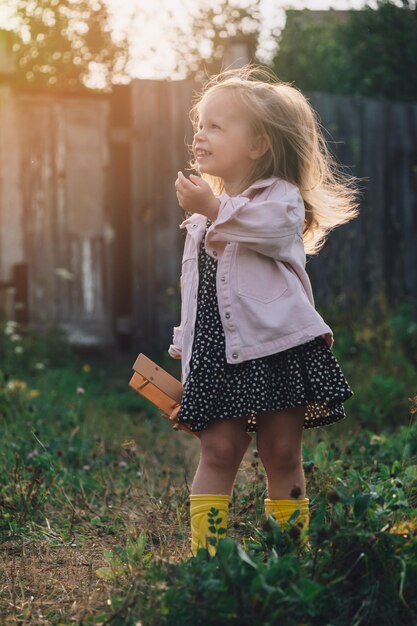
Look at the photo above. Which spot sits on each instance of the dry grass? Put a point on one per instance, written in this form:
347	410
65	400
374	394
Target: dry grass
49	576
40	581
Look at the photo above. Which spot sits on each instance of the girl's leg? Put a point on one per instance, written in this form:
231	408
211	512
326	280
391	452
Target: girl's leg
279	439
279	446
223	445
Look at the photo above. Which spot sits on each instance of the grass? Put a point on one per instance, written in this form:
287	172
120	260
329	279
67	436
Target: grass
94	491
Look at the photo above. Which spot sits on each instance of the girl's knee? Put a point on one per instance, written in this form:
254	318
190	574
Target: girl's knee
279	455
223	449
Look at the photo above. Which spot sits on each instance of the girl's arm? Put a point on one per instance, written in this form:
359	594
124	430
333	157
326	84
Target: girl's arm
271	227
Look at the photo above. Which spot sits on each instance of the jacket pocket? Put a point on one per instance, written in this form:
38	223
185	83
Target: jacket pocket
259	277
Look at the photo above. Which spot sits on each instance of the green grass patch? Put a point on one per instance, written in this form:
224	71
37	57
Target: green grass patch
94	491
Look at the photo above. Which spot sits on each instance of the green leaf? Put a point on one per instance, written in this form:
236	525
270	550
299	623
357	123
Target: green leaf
294	516
108	555
219	520
320	455
245	557
109	573
221	531
396	468
410	473
361	504
309	589
319	516
106	573
384	471
212	529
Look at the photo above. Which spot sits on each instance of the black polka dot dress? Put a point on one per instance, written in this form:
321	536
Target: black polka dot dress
306	375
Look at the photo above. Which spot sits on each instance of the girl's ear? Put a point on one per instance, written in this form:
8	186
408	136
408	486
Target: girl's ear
260	145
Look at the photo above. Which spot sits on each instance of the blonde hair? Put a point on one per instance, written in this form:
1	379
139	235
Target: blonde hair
297	151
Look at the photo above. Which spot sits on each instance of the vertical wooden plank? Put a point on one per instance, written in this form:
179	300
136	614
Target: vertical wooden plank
175	156
333	272
161	127
347	243
403	205
88	319
37	138
64	184
11	200
143	101
120	212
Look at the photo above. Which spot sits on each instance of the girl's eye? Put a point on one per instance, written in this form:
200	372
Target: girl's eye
200	127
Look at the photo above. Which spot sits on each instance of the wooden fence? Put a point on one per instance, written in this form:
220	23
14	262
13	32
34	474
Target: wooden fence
374	257
88	210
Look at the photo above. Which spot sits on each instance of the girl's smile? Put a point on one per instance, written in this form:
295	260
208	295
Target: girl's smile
201	154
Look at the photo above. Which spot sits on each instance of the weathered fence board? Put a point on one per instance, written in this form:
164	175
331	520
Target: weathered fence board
160	131
64	163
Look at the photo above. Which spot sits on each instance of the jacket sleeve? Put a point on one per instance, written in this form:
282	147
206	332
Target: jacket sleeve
269	226
175	349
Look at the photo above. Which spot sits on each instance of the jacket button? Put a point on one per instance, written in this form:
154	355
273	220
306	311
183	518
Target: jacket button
235	355
223	279
227	316
194	226
214	253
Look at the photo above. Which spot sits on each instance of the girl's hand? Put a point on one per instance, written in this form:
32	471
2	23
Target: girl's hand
196	196
328	338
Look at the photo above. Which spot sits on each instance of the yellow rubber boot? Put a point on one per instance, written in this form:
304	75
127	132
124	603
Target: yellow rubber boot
209	514
283	509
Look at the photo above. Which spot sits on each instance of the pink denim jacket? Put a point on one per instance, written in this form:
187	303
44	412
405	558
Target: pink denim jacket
264	293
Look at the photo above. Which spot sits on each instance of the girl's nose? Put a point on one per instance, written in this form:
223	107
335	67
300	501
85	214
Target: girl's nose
198	134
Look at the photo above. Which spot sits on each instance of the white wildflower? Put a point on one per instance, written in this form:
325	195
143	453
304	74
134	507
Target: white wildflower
10	327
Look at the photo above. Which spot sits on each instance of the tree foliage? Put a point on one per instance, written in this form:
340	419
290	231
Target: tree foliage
202	48
60	43
371	53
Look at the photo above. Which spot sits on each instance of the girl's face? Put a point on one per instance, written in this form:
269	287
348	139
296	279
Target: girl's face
223	145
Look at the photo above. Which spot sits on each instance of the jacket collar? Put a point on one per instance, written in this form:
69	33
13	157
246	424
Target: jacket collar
260	184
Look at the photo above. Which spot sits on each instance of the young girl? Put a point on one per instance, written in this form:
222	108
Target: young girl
256	355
